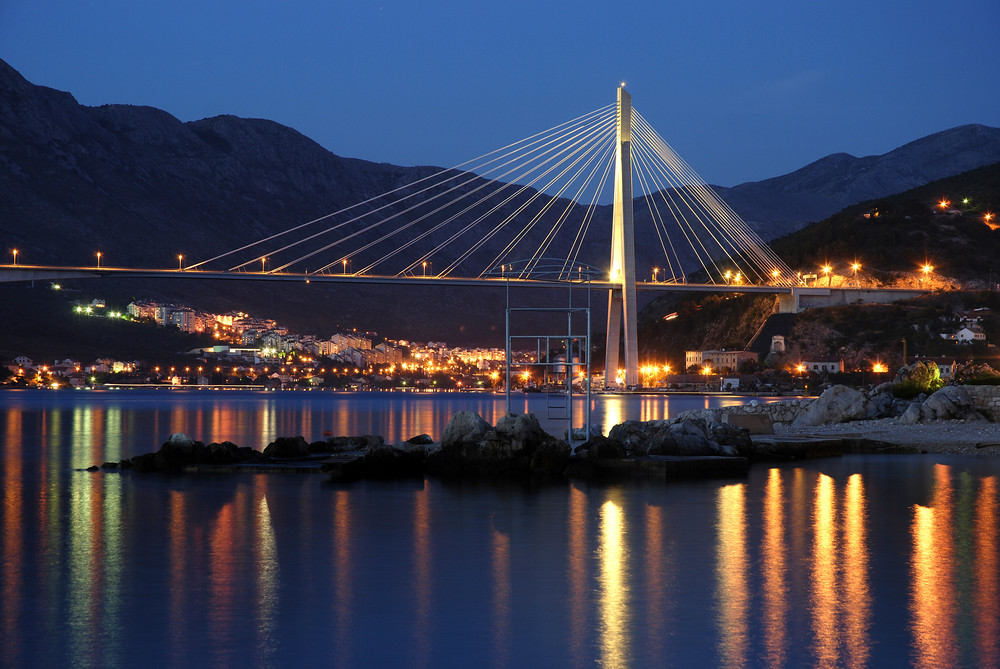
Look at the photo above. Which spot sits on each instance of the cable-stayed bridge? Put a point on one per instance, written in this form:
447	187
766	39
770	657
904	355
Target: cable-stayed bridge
501	216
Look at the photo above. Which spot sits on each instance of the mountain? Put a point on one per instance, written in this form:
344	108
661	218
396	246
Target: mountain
775	207
143	187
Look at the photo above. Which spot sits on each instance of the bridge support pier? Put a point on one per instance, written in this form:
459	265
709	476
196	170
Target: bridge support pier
788	303
621	298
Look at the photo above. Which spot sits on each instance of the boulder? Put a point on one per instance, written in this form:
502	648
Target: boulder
950	402
465	427
395	461
522	431
176	454
346	444
880	402
837	404
911	415
516	444
690	427
287	447
634	435
729	436
550	457
600	446
420	439
180	442
686	443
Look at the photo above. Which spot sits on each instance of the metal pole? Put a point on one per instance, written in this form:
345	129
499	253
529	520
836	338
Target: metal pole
587	410
507	331
569	362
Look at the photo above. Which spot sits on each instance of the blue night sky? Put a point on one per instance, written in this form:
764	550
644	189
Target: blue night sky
742	90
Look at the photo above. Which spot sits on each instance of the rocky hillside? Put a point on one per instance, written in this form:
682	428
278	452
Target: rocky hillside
777	206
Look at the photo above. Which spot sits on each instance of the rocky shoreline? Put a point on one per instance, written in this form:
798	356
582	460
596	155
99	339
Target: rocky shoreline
721	442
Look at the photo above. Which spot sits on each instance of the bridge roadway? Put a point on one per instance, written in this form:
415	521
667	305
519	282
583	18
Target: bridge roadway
791	298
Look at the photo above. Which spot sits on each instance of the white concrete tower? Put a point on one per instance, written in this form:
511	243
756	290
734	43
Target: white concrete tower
621	298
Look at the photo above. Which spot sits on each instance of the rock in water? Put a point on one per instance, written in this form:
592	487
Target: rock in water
465	427
287	447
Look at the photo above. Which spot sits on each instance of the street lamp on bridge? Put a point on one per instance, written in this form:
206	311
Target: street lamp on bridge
14	252
180	262
98	260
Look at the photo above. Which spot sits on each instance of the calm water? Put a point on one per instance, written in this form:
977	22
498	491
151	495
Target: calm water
874	560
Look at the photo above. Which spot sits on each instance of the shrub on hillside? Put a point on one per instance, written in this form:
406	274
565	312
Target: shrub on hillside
975	374
920	377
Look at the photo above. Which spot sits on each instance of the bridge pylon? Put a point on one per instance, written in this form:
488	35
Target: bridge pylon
621	297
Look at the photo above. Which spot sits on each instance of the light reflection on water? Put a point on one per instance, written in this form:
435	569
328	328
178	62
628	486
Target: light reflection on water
732	592
887	560
825	602
855	574
614	587
987	570
774	567
113	425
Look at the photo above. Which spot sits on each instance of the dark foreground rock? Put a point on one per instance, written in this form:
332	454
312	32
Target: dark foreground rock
180	451
516	444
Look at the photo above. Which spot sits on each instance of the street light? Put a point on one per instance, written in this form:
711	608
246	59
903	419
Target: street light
14	251
263	260
180	262
655	270
98	260
345	265
425	268
826	270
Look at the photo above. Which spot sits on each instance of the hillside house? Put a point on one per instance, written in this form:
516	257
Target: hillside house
721	359
966	335
824	365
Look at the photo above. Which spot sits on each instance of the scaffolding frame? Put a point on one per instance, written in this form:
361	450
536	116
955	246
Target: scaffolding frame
573	346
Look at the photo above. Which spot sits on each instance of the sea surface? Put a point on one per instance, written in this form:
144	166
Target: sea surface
853	561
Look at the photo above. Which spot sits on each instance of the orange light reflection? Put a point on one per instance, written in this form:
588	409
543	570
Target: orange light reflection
932	590
775	587
732	593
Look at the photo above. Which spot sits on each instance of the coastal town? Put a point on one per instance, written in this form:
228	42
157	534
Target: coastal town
255	352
